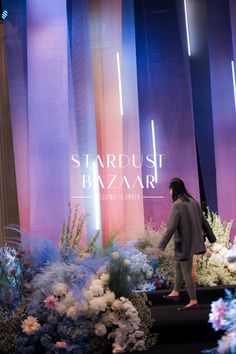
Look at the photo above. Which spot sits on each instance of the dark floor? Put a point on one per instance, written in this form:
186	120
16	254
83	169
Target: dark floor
184	332
179	348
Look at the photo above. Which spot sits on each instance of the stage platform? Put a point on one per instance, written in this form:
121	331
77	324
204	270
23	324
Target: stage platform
184	332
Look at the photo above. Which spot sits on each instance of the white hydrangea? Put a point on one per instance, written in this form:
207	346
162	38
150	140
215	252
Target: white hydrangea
59	289
97	304
100	329
213	268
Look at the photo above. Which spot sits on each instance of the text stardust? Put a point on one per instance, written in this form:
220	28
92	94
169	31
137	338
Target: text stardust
117	161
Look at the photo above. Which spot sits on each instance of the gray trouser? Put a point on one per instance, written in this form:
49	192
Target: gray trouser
183	270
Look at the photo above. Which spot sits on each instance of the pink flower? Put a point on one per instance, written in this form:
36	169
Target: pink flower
227	344
26	264
50	302
13	271
61	345
21	253
216	317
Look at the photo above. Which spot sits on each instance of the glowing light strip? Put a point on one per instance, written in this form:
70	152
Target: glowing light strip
90	197
154	150
187	29
96	196
119	81
234	84
4	14
80	196
153	196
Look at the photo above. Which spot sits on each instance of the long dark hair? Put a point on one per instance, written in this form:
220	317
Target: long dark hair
179	190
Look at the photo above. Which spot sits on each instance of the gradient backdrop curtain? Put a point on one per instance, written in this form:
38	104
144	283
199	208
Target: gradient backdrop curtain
106	88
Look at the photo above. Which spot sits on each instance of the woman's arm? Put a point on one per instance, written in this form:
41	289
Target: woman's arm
207	230
171	226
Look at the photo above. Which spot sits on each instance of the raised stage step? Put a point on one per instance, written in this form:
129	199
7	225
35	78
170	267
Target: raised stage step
185	331
205	295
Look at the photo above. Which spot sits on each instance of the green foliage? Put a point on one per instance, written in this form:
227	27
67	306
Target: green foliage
72	230
120	279
92	245
71	234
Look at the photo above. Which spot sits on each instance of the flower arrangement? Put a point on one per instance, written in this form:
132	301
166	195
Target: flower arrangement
117	319
53	322
120	275
148	244
74	302
69	310
142	270
70	238
223	317
213	268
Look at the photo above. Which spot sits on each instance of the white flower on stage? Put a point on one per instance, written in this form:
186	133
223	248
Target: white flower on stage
110	318
96	287
140	345
117	305
73	312
88	294
61	308
217	315
117	348
216	247
232	267
138	334
127	262
83	306
227	344
59	289
97	304
101	270
105	277
100	329
69	299
109	297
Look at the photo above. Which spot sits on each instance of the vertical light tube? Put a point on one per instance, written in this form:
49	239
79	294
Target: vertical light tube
234	84
154	151
4	14
119	83
187	27
97	209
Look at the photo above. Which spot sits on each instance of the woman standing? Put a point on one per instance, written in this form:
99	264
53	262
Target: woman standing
186	223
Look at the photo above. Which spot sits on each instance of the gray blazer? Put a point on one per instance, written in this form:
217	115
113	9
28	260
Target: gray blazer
187	223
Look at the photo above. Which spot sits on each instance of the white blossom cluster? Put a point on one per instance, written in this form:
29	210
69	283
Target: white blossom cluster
214	267
223	317
118	318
